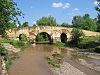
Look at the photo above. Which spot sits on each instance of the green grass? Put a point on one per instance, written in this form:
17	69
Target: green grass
14	56
55	60
8	64
89	39
59	44
16	43
6	41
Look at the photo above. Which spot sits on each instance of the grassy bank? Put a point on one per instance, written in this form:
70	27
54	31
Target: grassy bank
16	43
9	56
92	44
89	39
59	44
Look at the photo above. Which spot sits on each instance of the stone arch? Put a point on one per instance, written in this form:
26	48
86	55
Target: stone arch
63	37
48	35
21	35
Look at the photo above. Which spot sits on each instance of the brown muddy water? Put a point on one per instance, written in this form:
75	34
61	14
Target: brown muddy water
33	61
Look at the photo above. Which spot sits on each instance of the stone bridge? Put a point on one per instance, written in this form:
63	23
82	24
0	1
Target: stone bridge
55	33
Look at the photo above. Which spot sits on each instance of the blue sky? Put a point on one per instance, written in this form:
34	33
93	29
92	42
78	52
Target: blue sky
62	10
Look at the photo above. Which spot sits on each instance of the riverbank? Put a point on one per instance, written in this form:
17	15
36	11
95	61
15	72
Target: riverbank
7	57
91	60
67	69
32	61
74	60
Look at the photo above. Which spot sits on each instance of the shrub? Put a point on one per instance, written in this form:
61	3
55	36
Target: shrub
3	51
6	41
59	44
76	34
14	56
55	60
28	43
8	63
97	49
18	44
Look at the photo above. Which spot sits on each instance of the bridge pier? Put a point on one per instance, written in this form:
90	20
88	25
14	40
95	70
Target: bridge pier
33	42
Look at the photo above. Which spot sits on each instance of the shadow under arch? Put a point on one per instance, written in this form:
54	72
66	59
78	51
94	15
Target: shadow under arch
63	38
20	36
23	37
43	37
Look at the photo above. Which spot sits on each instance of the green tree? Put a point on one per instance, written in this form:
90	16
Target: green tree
86	16
77	21
84	22
12	25
65	25
98	7
25	24
76	34
98	17
8	14
47	21
88	23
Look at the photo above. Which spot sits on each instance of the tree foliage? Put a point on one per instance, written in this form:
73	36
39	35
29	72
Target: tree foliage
25	24
76	21
84	22
88	23
47	21
65	25
98	7
76	34
8	14
98	17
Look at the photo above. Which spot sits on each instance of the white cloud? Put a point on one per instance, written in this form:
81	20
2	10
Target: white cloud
66	5
60	5
57	5
76	9
96	3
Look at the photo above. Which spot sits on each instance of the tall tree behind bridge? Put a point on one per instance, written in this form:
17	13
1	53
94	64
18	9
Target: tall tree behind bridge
76	21
88	23
65	25
8	14
47	21
98	17
84	22
25	24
